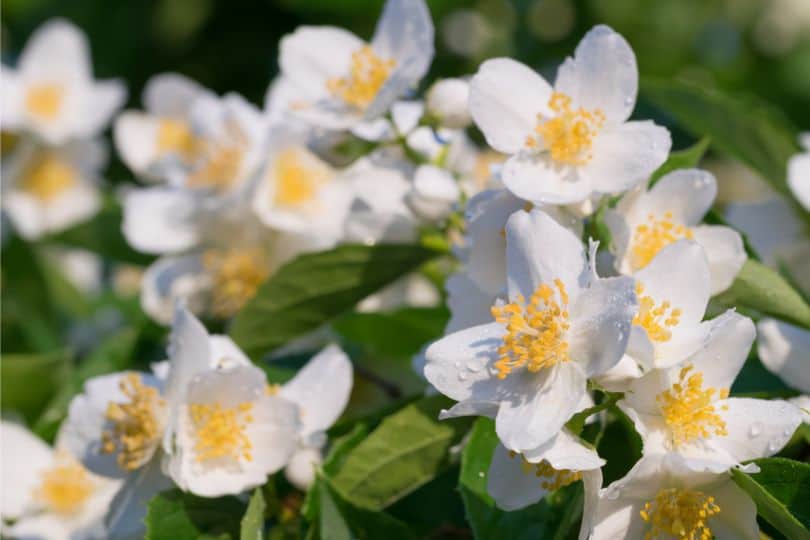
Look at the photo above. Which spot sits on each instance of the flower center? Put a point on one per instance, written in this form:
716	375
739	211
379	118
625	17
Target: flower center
651	237
220	431
568	136
64	487
656	319
688	408
135	423
535	332
48	176
44	100
174	137
236	274
220	161
551	479
368	74
297	181
679	513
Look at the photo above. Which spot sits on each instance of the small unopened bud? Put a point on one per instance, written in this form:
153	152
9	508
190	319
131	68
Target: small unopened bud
447	100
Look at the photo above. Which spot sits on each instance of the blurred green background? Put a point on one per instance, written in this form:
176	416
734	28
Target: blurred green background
759	47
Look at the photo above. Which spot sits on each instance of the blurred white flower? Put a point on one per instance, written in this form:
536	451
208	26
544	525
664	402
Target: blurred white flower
562	325
52	93
47	493
46	189
448	101
686	409
666	496
342	81
799	173
647	220
434	194
783	349
573	141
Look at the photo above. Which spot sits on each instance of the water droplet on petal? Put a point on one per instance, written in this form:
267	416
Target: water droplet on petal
462	376
755	429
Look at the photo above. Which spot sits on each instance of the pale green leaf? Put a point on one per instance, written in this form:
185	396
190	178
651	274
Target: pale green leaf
252	526
174	515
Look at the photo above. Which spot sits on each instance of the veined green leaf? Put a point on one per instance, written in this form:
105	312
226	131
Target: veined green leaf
27	381
748	131
252	526
781	491
407	449
174	515
687	158
314	288
758	287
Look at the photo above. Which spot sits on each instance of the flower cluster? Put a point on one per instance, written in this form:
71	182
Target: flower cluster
550	327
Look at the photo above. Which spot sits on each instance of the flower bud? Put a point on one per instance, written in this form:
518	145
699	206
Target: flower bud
447	100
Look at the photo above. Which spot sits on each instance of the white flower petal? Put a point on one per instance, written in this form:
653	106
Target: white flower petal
161	220
737	519
170	279
540	250
565	451
300	471
687	193
535	178
57	51
799	178
726	349
509	484
25	456
171	94
619	377
468	304
617	519
321	389
538	405
105	98
406	115
127	510
505	98
135	135
725	251
601	319
625	155
783	349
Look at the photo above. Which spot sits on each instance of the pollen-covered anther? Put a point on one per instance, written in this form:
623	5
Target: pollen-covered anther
651	237
551	479
236	275
656	319
535	332
689	409
221	432
135	423
48	176
297	182
64	487
368	74
219	162
44	100
679	513
174	136
567	135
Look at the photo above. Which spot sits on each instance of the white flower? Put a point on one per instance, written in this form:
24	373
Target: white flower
448	101
46	492
561	326
647	220
342	80
518	480
673	292
799	173
664	496
46	189
783	349
686	409
52	93
573	141
435	192
163	131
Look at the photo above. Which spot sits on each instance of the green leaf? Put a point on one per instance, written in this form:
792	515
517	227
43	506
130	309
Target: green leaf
332	525
27	381
102	235
408	449
174	515
682	159
314	288
113	354
577	422
745	130
781	491
758	287
486	519
252	526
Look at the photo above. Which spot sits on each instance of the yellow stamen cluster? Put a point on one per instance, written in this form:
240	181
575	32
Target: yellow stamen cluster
535	332
568	136
136	424
175	137
655	319
368	74
48	176
688	408
551	479
219	162
651	237
236	275
679	513
44	100
64	487
272	389
221	431
296	181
